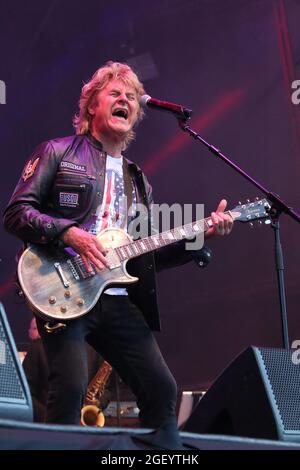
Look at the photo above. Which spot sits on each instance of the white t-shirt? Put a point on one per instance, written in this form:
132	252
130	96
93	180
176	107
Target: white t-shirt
112	212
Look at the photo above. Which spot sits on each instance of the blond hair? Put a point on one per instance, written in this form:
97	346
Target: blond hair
110	71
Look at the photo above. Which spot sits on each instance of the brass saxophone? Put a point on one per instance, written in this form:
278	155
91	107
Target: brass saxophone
91	413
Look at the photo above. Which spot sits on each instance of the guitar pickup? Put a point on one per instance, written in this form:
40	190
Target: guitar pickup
73	270
61	275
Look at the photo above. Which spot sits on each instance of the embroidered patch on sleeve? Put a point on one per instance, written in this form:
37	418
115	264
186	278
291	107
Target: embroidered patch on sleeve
29	169
68	199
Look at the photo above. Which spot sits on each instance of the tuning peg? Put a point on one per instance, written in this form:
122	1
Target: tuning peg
257	198
247	200
251	224
239	203
260	222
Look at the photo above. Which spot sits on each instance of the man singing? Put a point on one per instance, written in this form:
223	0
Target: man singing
70	190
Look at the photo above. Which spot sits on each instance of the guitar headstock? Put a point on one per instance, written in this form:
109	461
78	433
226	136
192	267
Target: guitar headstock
251	211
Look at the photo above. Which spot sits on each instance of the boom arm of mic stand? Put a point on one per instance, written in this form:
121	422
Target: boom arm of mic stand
278	206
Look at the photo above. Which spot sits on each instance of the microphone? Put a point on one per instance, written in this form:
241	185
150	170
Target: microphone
179	111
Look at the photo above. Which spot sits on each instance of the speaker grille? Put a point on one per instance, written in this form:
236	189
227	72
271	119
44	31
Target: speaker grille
284	378
10	385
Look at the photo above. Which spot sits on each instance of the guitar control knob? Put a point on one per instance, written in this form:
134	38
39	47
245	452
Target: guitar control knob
67	294
52	300
80	302
63	309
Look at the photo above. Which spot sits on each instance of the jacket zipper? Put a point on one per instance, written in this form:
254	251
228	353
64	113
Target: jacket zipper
90	177
74	186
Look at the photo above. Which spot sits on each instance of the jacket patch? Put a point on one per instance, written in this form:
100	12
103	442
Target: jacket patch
73	166
68	199
29	169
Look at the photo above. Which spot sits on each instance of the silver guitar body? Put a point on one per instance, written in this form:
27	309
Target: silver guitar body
58	287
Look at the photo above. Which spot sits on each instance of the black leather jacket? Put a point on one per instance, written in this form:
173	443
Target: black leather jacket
62	186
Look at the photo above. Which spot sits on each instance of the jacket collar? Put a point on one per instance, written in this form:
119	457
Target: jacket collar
95	142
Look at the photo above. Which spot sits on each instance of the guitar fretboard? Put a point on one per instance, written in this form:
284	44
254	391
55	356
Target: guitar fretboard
154	242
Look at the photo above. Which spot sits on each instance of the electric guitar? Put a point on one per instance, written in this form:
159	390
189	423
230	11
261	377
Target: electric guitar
58	286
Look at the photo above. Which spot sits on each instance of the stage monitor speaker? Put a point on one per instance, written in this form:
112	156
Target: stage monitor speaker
15	399
257	395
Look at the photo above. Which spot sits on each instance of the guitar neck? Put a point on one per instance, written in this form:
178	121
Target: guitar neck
154	242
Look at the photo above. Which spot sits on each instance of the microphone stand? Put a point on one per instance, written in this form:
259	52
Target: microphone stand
117	388
277	207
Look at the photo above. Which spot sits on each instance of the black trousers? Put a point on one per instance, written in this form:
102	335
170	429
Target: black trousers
117	330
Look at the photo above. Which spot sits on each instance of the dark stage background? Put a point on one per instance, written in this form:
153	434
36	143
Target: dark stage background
233	63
